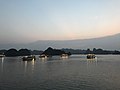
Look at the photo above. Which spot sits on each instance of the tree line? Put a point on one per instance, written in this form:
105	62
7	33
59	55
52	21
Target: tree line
22	52
89	51
50	51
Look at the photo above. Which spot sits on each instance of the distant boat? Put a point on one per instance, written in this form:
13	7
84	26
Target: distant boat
2	56
43	56
91	56
64	55
29	58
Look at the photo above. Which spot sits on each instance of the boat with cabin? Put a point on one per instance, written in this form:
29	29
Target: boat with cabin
1	55
29	58
91	56
43	56
64	56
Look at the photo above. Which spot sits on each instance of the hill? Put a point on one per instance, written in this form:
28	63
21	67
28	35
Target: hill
109	42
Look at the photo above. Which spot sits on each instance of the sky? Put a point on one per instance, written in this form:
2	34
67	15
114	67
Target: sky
23	21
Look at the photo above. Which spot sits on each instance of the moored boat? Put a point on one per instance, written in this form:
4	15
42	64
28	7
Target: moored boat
43	56
64	55
2	56
91	56
29	58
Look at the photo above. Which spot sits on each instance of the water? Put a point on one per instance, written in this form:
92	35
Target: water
74	73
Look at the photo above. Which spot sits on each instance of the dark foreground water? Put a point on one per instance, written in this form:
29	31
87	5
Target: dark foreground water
74	73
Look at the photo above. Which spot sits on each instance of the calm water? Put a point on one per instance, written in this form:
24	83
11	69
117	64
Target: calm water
74	73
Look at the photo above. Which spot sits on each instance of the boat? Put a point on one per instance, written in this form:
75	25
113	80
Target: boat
29	58
64	55
43	56
91	56
2	56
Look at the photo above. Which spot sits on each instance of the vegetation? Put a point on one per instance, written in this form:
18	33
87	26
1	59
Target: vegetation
11	53
36	52
50	51
24	52
94	51
2	52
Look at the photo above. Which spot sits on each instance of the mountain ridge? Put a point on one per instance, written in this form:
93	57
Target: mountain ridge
105	42
118	34
111	42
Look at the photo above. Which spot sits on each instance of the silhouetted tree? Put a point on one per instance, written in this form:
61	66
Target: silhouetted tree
24	52
88	51
2	51
116	52
11	53
50	51
99	51
94	49
36	52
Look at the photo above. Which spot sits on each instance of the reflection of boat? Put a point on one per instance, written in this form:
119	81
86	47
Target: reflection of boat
90	56
43	56
29	58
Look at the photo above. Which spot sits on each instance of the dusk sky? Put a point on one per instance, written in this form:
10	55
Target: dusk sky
31	20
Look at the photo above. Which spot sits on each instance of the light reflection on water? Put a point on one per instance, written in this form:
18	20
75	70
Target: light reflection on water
56	73
2	63
29	65
25	62
33	64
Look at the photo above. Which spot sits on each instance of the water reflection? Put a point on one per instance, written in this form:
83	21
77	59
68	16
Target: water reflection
52	58
2	63
73	73
33	64
64	57
25	62
43	59
92	61
29	65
